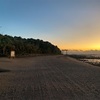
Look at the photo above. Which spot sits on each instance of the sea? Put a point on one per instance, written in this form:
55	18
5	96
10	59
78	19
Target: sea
88	53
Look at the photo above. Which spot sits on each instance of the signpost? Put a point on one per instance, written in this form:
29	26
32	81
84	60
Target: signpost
12	54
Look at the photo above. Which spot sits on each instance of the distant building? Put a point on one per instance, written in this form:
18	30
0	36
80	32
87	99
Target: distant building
64	52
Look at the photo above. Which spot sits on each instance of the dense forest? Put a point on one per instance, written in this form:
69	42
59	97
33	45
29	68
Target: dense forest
23	46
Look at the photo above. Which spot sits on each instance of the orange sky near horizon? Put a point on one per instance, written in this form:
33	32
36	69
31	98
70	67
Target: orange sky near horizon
88	41
81	36
84	44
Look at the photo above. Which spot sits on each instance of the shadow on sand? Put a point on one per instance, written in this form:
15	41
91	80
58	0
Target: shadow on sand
4	70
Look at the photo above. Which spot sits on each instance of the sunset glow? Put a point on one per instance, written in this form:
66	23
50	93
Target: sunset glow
65	23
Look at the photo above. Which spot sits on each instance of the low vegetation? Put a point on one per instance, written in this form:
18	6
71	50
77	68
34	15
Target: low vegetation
23	46
85	58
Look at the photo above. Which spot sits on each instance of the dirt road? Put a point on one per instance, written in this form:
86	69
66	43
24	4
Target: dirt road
48	78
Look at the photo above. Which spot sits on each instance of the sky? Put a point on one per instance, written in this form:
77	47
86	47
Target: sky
69	24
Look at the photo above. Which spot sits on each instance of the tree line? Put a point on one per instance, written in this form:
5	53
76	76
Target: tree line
23	46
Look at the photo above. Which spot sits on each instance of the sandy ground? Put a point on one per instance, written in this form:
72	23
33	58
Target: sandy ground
48	78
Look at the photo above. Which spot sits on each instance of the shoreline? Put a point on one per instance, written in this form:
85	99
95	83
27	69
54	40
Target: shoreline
87	59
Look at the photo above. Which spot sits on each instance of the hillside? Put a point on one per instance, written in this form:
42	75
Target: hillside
23	46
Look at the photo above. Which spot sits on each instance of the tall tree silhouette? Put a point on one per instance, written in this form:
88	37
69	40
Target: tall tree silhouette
24	46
